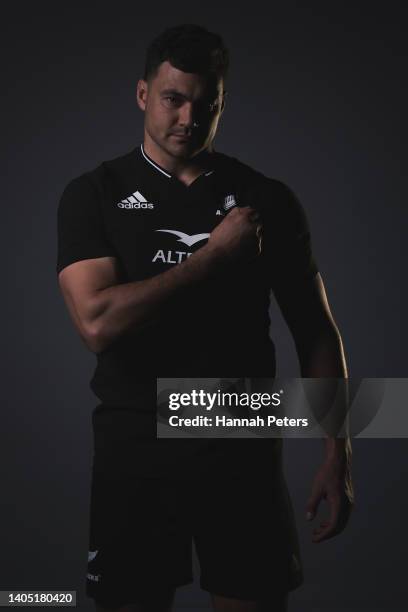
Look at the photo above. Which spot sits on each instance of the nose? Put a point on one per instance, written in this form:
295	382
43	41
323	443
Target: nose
186	115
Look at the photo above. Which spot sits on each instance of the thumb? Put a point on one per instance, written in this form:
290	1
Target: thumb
312	505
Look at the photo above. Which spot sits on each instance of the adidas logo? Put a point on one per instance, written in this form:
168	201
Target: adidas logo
136	200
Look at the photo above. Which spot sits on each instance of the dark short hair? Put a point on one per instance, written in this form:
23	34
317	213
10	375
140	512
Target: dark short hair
189	48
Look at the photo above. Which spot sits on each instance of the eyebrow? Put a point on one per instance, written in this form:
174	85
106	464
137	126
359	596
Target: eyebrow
173	92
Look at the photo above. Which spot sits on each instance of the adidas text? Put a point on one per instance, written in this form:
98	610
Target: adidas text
136	205
136	200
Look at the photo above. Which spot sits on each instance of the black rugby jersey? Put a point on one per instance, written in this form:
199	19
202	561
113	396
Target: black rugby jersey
133	209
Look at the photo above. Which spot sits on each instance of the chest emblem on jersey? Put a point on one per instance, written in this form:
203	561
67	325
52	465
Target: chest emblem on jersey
185	238
229	202
135	201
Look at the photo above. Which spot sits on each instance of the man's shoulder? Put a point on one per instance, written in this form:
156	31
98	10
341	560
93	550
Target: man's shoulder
253	182
229	163
126	162
96	176
247	173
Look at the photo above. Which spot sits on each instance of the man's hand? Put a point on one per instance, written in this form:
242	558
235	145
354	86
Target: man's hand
239	236
333	483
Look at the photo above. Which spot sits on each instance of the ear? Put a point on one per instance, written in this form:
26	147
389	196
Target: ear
141	94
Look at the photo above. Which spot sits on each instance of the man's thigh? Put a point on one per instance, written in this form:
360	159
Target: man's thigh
246	540
139	550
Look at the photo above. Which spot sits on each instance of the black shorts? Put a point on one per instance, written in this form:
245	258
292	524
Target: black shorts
142	530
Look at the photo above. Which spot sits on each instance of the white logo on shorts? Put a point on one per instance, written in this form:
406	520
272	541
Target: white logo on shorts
91	555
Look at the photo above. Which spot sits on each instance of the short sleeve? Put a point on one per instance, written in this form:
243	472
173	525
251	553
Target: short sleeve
287	242
80	228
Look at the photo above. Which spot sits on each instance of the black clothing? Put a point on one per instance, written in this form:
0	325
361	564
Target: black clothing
132	209
141	534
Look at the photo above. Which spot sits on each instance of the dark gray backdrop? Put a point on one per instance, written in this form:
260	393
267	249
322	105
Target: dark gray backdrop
317	98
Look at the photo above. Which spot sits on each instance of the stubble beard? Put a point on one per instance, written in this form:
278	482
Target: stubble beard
165	146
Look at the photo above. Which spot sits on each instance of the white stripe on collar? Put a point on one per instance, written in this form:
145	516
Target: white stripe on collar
153	164
161	169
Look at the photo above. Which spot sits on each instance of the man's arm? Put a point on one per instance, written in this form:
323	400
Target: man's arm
320	350
318	342
102	309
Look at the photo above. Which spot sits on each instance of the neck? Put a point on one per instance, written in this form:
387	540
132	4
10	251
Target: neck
185	169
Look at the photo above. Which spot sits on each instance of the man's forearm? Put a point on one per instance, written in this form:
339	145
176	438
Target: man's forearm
324	358
132	306
323	355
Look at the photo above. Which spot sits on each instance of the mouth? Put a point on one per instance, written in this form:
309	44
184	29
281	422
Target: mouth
181	137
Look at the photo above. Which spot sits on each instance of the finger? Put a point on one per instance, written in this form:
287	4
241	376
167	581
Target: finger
330	527
313	504
324	532
323	527
234	210
252	213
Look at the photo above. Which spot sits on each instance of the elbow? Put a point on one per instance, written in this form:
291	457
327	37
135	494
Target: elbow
323	330
93	338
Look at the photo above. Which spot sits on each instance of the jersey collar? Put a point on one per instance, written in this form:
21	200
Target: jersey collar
162	170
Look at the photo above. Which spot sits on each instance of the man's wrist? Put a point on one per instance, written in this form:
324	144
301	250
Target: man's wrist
336	448
215	257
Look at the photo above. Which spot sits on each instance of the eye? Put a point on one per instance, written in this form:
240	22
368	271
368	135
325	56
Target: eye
172	101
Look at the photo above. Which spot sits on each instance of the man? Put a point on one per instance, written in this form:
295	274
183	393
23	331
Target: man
166	259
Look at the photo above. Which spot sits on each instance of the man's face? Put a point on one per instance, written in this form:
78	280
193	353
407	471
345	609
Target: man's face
182	110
